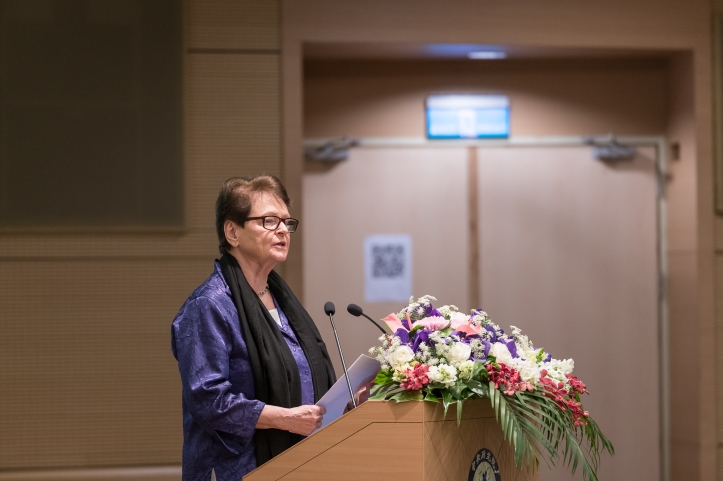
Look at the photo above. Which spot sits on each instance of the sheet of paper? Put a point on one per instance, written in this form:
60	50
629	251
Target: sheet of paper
361	373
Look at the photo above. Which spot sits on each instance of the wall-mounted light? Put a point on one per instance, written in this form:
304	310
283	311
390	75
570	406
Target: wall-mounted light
486	55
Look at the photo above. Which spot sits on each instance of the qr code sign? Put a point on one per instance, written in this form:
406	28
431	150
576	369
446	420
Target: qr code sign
388	261
387	267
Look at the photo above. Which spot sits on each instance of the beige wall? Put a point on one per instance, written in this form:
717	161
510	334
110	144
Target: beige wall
677	25
86	372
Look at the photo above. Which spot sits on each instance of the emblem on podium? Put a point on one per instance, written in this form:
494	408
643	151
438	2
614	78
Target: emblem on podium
484	467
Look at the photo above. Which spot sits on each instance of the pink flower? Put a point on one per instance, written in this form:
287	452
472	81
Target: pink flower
393	322
462	323
577	385
434	323
469	329
507	379
416	377
564	398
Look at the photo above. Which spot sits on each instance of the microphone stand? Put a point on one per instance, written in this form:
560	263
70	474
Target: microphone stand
329	310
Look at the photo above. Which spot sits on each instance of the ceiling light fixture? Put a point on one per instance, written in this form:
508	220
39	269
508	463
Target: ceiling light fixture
486	55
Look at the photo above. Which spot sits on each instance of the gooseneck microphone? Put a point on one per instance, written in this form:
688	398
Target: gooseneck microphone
357	311
330	310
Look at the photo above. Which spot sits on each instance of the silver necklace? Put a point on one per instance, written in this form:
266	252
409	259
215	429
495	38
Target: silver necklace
263	292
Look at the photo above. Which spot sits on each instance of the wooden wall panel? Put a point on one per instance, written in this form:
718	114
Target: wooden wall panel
233	124
233	24
88	378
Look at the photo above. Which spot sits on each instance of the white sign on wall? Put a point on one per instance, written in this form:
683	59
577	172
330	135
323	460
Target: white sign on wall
387	268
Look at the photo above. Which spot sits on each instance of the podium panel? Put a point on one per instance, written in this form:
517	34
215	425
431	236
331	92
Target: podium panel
401	441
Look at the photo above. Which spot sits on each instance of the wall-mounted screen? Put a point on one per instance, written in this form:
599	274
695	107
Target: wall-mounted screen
468	116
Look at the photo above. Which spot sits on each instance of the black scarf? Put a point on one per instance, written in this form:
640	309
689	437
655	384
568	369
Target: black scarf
271	360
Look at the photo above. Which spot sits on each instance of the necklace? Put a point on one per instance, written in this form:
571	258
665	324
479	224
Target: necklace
263	292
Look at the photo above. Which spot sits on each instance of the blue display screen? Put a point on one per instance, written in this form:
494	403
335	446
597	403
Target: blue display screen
467	116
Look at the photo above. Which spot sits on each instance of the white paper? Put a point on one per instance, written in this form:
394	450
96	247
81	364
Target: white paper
361	373
387	268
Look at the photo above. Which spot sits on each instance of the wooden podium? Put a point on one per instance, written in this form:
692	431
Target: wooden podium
401	441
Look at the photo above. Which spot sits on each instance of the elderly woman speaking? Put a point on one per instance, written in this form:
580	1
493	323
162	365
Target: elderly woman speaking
252	362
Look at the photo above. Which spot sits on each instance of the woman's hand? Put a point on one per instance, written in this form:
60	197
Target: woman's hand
300	420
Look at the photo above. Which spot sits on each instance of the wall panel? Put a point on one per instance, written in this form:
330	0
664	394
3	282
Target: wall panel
233	24
233	124
87	378
87	372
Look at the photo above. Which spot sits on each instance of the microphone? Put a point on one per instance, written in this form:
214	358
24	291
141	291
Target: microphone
357	311
330	310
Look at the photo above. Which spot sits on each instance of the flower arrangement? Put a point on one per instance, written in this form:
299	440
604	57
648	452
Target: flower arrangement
443	355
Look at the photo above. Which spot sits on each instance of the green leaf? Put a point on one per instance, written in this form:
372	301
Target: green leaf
447	400
457	391
415	329
459	412
479	371
429	396
405	396
380	392
383	377
478	388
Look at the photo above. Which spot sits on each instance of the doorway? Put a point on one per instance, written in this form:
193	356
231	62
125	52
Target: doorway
567	250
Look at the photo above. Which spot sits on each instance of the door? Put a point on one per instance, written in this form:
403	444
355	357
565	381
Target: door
421	192
568	253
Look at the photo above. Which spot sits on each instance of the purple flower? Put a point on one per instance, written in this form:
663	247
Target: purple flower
407	324
512	347
434	312
491	330
487	346
548	358
484	342
402	335
420	336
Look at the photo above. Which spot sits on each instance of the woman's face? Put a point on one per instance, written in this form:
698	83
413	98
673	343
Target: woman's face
259	245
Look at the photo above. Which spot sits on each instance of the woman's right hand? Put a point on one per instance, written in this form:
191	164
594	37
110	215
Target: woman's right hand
300	420
304	420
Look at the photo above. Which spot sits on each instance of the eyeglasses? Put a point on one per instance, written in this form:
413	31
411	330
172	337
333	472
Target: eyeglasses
272	222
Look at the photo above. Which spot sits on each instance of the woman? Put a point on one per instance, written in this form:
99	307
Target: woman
252	362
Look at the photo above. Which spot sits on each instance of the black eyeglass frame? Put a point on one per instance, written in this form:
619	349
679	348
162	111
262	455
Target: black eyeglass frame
279	219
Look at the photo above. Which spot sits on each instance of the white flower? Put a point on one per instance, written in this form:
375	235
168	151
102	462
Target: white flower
557	369
458	316
529	369
443	373
458	352
401	355
501	353
477	348
448	310
465	369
